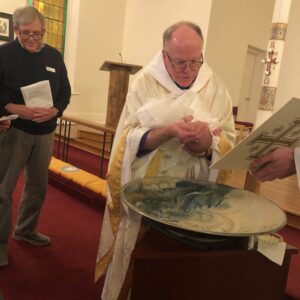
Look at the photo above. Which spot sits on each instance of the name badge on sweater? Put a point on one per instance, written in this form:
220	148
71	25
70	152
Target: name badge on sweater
49	69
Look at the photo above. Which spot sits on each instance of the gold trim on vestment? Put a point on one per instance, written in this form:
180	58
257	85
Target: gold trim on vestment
152	171
153	167
224	174
102	264
114	207
114	184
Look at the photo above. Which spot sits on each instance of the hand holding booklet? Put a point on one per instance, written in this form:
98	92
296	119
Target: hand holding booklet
38	94
282	129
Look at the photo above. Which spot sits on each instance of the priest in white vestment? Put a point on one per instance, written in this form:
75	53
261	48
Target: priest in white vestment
177	119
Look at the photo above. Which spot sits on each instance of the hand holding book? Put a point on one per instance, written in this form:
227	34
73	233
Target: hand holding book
282	129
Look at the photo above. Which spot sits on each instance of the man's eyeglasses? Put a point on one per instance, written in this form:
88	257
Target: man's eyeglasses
181	65
35	35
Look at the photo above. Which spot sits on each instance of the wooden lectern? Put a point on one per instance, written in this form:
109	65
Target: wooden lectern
164	269
118	87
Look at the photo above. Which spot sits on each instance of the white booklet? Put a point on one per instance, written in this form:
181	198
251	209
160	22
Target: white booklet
9	117
38	94
281	129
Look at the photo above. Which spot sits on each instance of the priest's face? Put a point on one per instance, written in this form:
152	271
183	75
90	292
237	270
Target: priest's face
31	35
182	55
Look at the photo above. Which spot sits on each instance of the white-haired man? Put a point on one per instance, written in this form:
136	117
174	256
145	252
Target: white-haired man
29	141
176	120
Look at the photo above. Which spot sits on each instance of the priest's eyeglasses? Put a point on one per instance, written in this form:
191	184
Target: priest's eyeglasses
181	65
35	35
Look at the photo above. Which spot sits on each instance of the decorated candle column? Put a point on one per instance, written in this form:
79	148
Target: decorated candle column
273	60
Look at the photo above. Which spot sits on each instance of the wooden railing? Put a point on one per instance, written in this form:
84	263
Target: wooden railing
63	137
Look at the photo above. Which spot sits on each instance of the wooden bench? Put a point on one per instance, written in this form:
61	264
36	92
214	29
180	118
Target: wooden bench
81	181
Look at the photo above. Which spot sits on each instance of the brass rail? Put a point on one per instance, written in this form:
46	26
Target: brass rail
64	132
90	124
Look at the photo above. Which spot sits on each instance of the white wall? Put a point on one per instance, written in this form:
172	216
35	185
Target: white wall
100	36
235	24
135	27
8	6
289	78
146	20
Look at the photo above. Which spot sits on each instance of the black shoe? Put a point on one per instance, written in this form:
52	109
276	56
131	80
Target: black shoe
3	256
34	238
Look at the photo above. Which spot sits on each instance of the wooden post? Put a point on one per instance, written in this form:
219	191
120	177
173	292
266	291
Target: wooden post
252	184
118	87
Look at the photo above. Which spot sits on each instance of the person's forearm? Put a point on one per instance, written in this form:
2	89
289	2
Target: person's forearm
20	109
14	108
156	137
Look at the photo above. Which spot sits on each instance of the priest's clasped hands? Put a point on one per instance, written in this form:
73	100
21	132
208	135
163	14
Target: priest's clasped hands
196	136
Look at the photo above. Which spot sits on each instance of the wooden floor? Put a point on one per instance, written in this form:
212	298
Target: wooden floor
285	193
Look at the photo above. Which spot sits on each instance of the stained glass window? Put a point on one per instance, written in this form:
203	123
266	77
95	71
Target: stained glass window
55	13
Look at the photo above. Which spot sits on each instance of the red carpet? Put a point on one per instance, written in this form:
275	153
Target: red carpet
63	270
